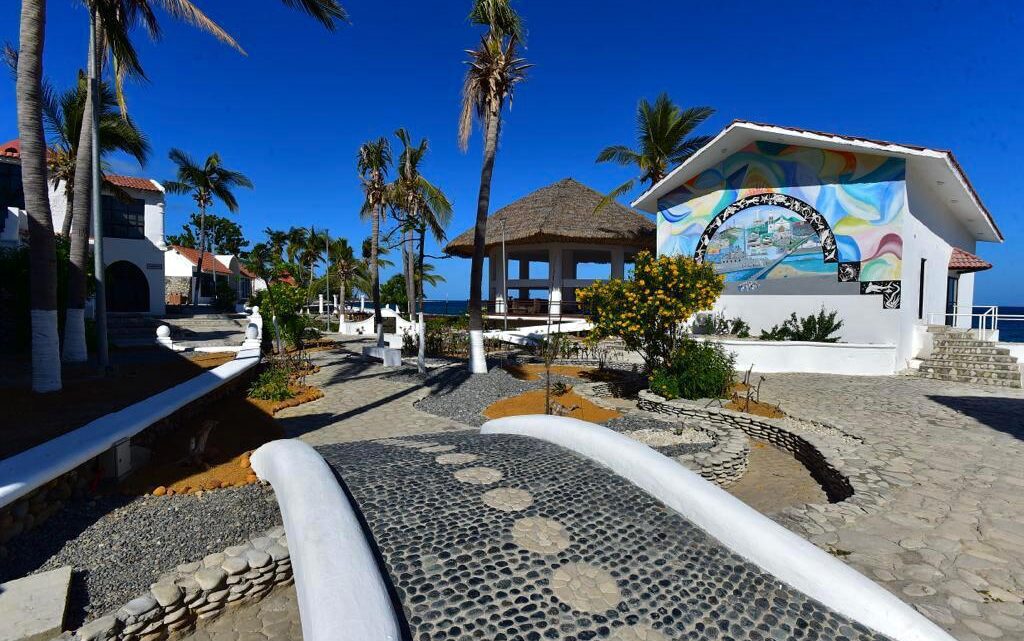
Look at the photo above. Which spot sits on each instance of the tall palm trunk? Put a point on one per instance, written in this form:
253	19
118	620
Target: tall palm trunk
202	251
75	350
378	320
477	356
419	265
421	330
408	250
46	374
69	210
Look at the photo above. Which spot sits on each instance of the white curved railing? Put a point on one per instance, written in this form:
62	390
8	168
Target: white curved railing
737	526
342	595
24	472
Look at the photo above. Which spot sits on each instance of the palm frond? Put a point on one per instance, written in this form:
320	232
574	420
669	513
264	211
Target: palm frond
190	14
619	191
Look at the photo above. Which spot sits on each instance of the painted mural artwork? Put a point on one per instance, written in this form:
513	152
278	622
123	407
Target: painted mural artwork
782	219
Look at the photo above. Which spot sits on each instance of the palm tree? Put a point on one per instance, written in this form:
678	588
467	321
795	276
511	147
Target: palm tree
46	374
494	71
204	183
663	141
264	260
342	261
373	163
423	207
64	116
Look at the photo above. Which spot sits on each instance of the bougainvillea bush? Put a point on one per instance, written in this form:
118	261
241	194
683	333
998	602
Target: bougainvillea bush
648	309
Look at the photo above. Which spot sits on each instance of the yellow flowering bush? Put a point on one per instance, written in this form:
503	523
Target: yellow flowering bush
647	310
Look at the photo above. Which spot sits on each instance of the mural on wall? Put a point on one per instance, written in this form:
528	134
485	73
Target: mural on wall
778	219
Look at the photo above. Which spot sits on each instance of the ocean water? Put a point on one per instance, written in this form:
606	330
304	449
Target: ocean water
1010	331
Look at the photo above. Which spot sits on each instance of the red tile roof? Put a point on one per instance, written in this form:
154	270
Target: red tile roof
12	149
131	182
961	261
245	272
210	264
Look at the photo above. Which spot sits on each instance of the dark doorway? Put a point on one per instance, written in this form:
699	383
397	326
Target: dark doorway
952	287
127	288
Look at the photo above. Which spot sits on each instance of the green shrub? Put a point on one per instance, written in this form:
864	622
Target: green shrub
718	324
819	328
271	385
697	369
226	296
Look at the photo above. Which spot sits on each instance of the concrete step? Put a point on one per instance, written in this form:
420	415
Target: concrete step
961	342
986	351
33	608
971	358
966	365
999	379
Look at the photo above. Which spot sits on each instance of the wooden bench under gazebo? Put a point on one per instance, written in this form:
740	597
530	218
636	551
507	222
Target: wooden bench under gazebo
560	244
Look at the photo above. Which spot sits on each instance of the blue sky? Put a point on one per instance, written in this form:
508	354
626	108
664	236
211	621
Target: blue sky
292	113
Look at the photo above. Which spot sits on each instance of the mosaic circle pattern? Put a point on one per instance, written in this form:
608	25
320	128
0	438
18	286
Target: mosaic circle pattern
632	568
586	588
540	535
507	499
478	475
457	458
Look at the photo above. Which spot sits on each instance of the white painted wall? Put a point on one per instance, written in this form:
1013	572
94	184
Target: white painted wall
864	320
930	232
176	265
851	359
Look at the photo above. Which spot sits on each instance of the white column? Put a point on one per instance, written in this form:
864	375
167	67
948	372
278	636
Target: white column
500	279
618	263
362	302
320	304
555	289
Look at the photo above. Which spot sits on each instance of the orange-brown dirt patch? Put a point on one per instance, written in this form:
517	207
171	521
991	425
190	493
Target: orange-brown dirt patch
535	371
242	425
532	402
31	419
739	403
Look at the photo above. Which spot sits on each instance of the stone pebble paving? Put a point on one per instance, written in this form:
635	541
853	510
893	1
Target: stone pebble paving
271	619
570	552
944	459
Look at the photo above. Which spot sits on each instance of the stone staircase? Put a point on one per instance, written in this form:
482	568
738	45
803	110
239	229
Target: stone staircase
206	328
126	329
959	355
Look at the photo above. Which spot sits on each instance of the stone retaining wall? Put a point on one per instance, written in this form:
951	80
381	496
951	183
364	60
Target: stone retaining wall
198	591
835	484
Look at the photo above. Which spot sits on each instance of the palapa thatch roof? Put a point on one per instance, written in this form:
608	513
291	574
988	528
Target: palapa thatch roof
561	212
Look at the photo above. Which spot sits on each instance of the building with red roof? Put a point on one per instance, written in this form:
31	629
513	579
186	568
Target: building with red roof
133	231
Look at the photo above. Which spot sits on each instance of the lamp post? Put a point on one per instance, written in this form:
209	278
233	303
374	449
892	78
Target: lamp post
102	357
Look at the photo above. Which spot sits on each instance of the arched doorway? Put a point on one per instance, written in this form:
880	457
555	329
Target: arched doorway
127	288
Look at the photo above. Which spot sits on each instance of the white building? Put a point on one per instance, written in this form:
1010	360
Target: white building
133	228
800	220
181	265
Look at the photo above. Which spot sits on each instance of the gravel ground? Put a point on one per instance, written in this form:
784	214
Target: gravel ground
460	396
118	545
699	441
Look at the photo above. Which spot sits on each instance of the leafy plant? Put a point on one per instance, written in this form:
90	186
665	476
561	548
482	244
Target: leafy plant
226	296
819	328
718	324
697	369
647	311
272	385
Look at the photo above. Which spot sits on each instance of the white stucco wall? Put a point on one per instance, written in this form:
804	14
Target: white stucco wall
931	230
177	265
850	359
864	320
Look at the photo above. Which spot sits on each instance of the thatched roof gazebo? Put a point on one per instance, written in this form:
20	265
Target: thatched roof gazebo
557	227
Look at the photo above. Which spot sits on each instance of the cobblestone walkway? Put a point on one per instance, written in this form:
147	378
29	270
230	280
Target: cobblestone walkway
507	537
362	400
949	462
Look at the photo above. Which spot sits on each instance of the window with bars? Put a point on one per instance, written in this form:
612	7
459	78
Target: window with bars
124	219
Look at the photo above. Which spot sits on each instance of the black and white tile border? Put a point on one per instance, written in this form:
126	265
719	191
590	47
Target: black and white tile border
198	591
